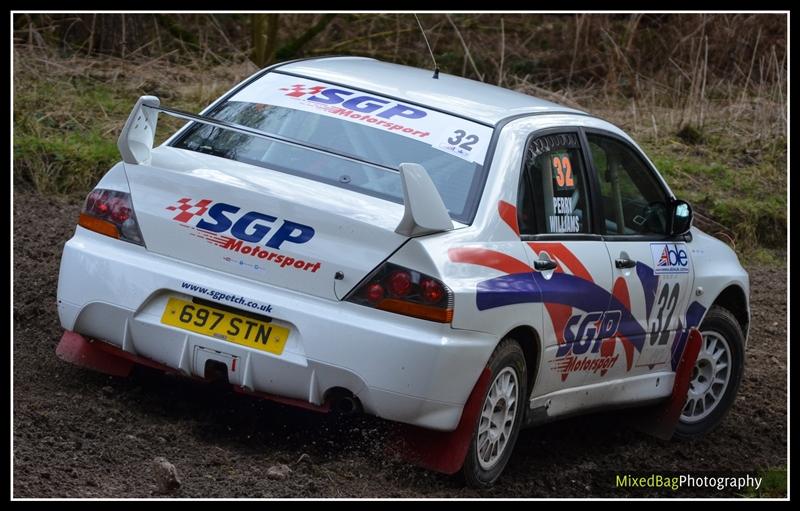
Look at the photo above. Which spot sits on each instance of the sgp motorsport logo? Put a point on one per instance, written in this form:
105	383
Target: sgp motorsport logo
379	112
251	233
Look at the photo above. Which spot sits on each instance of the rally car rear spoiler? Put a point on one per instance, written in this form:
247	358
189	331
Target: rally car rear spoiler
425	212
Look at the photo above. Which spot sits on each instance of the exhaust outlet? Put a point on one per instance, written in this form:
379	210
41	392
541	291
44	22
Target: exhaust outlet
347	406
344	402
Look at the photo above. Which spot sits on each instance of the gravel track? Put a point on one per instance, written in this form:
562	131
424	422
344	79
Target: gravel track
82	434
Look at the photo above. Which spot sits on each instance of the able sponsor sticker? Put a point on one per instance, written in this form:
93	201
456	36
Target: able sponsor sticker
447	133
669	258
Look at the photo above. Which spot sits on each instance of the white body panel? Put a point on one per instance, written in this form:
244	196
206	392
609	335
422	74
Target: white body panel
354	232
402	368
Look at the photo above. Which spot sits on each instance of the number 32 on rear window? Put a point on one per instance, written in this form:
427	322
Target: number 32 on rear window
463	140
562	168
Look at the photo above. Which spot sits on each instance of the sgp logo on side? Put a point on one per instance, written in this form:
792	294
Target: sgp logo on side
669	258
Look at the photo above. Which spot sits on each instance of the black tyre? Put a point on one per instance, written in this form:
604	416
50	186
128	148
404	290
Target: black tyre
500	419
716	376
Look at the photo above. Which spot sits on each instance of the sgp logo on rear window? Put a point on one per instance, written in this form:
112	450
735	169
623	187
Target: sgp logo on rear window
362	103
444	132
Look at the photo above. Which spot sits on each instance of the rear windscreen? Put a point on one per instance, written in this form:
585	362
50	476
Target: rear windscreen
379	131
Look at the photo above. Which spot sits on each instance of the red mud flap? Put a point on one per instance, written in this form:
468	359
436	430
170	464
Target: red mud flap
442	451
76	349
101	356
661	421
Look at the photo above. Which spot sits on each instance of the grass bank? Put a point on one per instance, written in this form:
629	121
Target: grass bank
729	161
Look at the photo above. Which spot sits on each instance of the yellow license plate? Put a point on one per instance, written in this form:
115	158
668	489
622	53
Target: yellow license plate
228	326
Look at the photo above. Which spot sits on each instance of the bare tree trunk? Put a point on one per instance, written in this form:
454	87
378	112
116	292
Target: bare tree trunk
264	38
272	38
258	38
115	34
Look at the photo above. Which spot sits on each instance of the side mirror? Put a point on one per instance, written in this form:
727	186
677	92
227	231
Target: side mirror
680	217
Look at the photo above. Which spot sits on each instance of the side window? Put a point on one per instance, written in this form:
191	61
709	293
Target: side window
552	194
632	200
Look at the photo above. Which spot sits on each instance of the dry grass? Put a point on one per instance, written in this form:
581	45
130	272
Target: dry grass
68	112
704	94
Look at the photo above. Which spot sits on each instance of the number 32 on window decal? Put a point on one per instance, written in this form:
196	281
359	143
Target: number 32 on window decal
563	169
461	135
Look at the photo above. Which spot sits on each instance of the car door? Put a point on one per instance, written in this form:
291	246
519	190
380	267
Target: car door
653	274
571	265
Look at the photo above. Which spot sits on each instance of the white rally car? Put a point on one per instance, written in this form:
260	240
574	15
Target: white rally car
349	233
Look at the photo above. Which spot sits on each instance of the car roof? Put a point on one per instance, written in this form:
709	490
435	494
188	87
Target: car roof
467	98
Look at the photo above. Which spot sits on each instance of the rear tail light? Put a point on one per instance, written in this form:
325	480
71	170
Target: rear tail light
399	282
396	289
110	212
431	290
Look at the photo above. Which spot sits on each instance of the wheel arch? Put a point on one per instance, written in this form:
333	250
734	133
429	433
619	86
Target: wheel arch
733	298
531	344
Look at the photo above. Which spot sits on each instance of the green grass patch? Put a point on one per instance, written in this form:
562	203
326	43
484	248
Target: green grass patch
763	256
64	133
66	123
68	115
774	484
63	162
746	195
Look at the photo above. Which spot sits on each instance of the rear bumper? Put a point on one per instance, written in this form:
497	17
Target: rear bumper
400	368
109	359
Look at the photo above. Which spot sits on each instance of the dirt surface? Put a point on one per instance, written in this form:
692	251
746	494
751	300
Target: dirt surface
82	434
